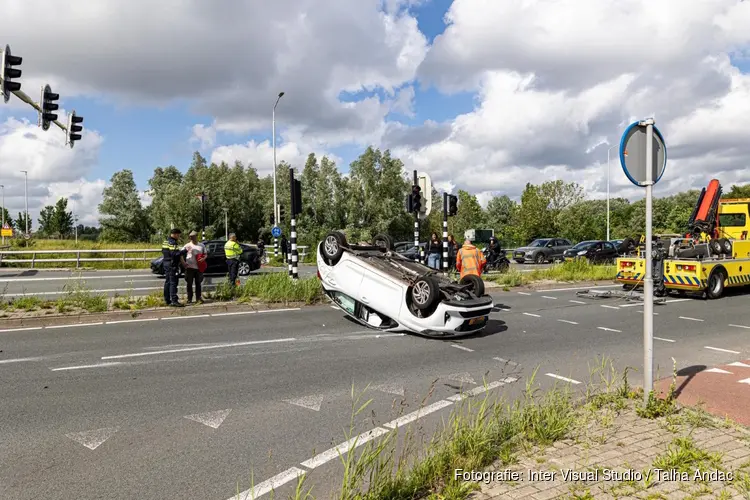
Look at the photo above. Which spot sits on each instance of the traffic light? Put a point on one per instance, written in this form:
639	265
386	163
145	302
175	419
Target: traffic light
8	73
416	198
452	205
297	198
281	213
271	219
48	105
73	134
409	204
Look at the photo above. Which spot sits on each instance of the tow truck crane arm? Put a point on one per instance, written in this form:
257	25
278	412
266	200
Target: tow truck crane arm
704	219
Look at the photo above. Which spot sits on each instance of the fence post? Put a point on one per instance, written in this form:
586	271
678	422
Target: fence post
123	259
33	257
78	259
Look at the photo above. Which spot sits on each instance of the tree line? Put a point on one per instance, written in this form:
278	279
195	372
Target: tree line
55	221
366	201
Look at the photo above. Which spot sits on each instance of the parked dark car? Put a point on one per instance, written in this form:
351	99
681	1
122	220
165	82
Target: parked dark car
216	260
407	249
595	251
542	250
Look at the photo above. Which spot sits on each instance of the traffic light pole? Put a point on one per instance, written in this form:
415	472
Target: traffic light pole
445	233
416	224
203	216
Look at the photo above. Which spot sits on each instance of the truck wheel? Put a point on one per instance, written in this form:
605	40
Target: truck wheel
539	259
384	241
333	246
715	288
726	246
425	292
477	285
715	247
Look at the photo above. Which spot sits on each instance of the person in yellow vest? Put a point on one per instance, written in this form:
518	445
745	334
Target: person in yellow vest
469	260
232	252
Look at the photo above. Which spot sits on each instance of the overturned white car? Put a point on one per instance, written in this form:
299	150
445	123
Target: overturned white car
383	290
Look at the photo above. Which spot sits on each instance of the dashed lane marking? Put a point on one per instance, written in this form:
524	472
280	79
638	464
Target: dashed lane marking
523	293
567	321
688	318
533	315
740	364
201	348
641	311
721	350
237	313
415	415
608	329
74	325
577	301
272	483
609	307
129	321
482	388
577	288
565	379
664	340
670	301
81	367
19	360
343	448
21	329
462	348
740	326
548	297
187	317
745	381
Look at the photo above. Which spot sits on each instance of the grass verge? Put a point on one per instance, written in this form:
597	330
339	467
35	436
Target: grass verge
579	270
271	288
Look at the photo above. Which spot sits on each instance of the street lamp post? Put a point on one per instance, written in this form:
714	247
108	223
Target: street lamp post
2	187
26	196
226	225
275	204
610	149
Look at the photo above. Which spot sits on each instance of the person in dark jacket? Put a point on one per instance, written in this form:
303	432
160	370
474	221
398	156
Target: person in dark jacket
434	250
452	251
173	257
285	249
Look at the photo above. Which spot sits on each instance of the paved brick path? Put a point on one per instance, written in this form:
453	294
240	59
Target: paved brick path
625	442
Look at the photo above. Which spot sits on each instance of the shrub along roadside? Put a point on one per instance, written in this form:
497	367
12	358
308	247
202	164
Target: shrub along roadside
573	271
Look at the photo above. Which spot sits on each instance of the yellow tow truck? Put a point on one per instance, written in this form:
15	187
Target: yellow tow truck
714	254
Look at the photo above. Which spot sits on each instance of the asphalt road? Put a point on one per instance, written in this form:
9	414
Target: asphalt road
193	408
19	282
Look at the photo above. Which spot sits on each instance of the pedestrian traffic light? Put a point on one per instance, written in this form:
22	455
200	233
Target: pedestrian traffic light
8	73
281	213
48	107
416	198
452	205
74	129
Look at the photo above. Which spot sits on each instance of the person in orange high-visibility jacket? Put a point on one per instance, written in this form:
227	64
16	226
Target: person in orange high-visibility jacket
470	260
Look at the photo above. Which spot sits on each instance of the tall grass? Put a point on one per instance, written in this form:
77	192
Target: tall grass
578	270
272	288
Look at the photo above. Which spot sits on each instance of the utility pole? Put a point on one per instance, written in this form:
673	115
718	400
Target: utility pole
26	196
275	205
610	149
226	225
2	187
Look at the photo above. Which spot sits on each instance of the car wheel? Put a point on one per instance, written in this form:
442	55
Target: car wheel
539	259
715	287
333	246
425	292
243	269
476	283
384	241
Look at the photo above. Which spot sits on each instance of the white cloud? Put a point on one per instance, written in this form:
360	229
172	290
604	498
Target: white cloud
260	155
204	134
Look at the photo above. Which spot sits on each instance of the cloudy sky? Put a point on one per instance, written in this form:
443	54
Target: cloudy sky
484	95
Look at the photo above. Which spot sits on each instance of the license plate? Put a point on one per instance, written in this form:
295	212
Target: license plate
474	321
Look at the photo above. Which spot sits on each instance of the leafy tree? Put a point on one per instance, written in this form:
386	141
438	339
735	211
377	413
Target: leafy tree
7	218
62	219
121	214
46	224
21	223
502	216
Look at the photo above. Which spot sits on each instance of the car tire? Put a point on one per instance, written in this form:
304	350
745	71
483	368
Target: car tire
539	258
477	284
244	268
425	292
715	288
333	246
384	241
626	246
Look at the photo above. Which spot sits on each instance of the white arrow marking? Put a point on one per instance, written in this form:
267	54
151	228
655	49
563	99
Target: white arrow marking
309	402
740	364
212	419
390	389
464	377
717	370
92	439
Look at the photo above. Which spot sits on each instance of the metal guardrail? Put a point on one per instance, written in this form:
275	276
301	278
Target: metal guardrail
78	259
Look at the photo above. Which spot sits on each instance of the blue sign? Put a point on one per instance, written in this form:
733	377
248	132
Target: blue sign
633	154
276	231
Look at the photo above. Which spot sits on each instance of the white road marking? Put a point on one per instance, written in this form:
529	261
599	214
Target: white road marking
548	297
201	348
416	415
74	325
387	335
641	311
735	326
390	389
577	288
80	367
462	348
212	419
141	289
577	301
507	361
676	300
93	439
745	381
82	278
567	321
534	315
129	321
343	448
608	329
559	377
523	293
21	329
740	364
279	310
266	486
690	319
717	370
609	307
480	389
187	317
19	360
721	350
664	340
631	305
464	377
238	313
310	402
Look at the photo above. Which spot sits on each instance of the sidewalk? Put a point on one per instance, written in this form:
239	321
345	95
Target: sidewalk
621	455
723	390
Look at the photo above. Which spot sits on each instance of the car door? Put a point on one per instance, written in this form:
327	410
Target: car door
595	254
382	294
609	252
216	261
560	247
346	277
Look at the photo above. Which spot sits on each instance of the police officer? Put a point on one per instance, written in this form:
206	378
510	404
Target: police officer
232	252
173	257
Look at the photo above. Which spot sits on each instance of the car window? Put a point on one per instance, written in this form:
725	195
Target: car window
539	243
584	244
609	246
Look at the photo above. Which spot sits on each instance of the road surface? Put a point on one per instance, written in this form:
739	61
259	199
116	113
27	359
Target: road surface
52	284
190	408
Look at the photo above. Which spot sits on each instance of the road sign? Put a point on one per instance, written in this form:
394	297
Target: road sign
6	230
633	154
425	184
276	231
